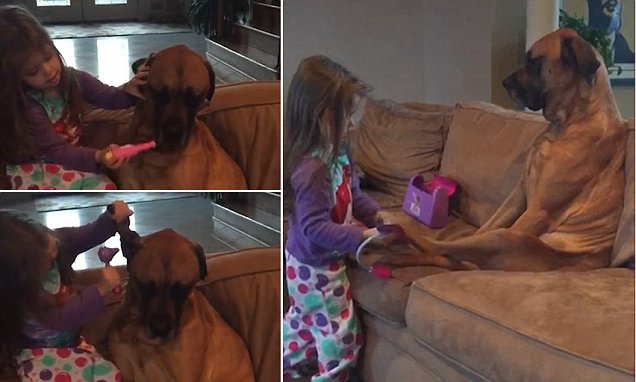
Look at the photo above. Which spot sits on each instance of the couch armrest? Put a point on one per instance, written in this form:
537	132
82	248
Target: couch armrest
245	118
244	287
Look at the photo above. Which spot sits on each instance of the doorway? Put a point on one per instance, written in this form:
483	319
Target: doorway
61	11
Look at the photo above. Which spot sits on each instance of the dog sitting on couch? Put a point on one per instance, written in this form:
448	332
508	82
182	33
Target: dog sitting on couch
564	212
165	330
187	156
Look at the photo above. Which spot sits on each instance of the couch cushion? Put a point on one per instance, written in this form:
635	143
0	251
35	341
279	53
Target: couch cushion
395	142
385	343
244	286
485	152
387	299
623	249
245	118
552	326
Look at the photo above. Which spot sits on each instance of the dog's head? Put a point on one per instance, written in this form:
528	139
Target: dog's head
164	268
180	82
556	66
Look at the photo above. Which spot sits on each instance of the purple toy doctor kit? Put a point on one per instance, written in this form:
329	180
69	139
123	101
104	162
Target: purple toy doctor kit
428	202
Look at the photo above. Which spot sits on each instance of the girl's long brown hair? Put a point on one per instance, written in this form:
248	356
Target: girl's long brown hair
320	97
22	35
23	264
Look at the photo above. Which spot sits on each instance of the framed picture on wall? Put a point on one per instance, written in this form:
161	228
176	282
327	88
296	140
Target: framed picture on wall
616	17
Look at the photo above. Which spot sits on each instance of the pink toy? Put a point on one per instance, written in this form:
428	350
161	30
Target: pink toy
105	255
129	151
428	202
381	271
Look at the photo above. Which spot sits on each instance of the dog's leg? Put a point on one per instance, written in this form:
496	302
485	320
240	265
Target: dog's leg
425	257
509	250
509	211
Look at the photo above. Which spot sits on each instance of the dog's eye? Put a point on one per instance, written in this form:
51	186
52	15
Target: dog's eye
159	95
179	292
533	66
147	289
190	99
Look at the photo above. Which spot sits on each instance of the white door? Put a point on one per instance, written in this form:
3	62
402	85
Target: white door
108	10
59	11
56	10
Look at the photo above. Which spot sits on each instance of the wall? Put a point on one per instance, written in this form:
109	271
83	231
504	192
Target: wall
428	50
508	46
409	50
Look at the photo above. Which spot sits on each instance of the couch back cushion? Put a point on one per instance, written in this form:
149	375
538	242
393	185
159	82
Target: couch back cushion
623	249
245	119
395	142
485	153
244	286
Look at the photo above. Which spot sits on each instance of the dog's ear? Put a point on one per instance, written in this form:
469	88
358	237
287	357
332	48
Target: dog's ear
145	60
135	65
212	79
579	53
131	242
203	266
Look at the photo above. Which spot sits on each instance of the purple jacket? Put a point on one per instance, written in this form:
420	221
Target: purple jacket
83	306
313	237
53	148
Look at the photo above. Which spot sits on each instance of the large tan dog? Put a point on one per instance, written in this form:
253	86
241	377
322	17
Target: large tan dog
188	156
166	330
565	209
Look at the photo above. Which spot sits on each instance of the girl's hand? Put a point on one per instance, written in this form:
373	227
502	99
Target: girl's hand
120	211
382	217
106	158
110	279
132	87
367	233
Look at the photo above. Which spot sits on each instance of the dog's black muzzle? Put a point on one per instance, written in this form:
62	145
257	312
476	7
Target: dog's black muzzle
527	93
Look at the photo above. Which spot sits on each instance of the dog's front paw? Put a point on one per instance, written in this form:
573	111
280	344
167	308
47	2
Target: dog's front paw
468	266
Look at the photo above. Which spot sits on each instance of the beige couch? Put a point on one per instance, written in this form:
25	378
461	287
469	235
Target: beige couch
428	324
243	286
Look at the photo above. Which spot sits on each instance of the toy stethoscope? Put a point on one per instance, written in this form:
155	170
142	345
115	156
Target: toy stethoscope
381	271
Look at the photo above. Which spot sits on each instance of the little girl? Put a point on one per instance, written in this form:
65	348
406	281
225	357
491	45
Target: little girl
320	325
41	311
40	126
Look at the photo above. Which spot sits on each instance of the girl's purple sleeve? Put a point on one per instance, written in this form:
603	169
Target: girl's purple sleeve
80	309
76	240
313	211
364	207
101	95
53	148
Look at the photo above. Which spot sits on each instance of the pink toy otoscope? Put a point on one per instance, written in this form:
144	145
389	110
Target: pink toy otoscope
129	151
105	255
399	237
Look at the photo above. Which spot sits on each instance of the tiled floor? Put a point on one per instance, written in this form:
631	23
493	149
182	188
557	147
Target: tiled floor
110	58
191	216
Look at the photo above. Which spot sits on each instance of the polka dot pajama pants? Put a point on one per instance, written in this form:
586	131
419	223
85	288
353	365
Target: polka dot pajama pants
320	325
78	364
50	176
